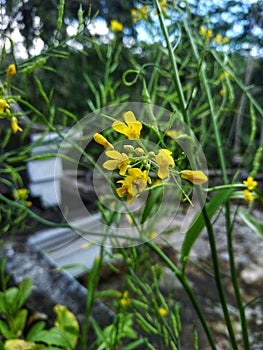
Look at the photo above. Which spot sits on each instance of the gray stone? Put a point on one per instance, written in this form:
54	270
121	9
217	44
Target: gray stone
50	287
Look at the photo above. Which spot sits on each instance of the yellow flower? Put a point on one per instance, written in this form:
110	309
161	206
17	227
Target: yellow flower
116	26
207	33
250	183
22	195
197	177
163	6
119	161
162	311
248	196
135	182
164	160
125	301
131	129
11	70
3	105
14	125
102	141
141	12
226	40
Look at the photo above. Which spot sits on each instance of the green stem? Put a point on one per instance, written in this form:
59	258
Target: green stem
218	280
227	210
175	71
183	280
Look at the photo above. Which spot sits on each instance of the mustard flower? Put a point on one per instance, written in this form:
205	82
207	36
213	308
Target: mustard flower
206	33
140	12
3	105
11	70
135	182
116	26
162	311
22	194
248	196
14	125
118	161
131	129
102	141
125	300
220	40
197	177
164	160
163	6
250	183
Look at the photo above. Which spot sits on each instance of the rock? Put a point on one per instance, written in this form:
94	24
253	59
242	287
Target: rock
50	287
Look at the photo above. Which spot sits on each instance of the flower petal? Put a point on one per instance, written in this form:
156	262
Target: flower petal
197	177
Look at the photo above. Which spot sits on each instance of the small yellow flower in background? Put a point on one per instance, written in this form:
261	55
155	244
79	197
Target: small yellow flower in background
250	183
164	160
118	161
134	183
14	125
116	26
140	12
102	141
22	195
220	40
224	75
11	70
197	177
3	105
248	196
125	300
221	92
131	129
206	33
162	311
163	6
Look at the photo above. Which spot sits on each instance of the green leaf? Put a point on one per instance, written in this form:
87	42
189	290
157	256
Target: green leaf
53	336
35	329
198	222
25	289
251	221
67	322
19	321
5	331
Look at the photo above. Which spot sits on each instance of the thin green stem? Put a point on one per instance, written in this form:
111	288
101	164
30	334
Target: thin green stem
175	70
183	280
222	162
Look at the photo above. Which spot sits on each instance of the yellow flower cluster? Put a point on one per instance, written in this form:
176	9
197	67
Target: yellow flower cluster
5	110
140	12
22	195
135	163
208	33
251	185
125	300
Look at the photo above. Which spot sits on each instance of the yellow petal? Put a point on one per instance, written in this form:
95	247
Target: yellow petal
197	177
129	117
14	125
102	141
120	127
114	155
111	164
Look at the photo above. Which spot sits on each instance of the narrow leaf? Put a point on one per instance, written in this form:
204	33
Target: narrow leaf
198	222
